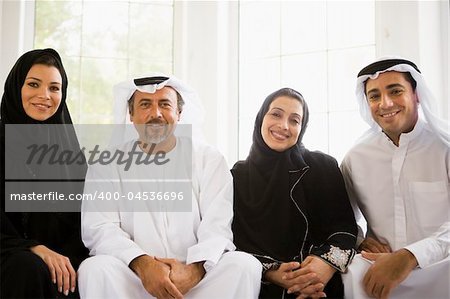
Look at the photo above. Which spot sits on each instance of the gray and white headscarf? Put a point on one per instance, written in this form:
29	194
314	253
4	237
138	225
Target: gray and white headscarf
427	103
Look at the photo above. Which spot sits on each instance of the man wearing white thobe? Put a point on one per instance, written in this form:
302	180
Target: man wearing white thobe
146	245
398	177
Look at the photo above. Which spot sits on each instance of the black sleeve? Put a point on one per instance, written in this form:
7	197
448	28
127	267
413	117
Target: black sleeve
74	247
10	239
333	219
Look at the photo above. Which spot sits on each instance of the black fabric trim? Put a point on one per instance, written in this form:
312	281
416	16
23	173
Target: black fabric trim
150	80
321	252
383	65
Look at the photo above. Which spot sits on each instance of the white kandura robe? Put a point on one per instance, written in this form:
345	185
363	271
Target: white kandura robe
119	232
403	193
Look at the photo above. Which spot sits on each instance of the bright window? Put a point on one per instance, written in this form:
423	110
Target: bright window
103	43
315	47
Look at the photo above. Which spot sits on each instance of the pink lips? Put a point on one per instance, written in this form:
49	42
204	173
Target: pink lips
42	107
279	136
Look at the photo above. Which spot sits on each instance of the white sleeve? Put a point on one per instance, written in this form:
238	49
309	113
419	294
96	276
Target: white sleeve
347	175
216	209
100	219
432	249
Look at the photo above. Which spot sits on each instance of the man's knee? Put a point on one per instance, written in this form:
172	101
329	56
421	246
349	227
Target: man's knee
104	276
97	266
243	262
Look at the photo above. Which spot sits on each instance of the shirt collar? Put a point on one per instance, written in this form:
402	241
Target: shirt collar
405	138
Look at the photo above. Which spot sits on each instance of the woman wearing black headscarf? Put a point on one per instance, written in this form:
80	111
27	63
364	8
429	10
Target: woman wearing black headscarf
291	207
40	251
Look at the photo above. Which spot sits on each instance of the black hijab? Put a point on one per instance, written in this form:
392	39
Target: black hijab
40	132
58	231
261	191
12	111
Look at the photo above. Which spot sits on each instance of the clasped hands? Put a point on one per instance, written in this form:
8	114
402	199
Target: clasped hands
389	268
167	278
306	280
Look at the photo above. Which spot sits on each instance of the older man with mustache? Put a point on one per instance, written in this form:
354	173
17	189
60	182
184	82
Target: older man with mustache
172	238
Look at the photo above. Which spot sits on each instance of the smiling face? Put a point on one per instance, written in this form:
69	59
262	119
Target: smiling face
41	92
393	104
155	115
282	123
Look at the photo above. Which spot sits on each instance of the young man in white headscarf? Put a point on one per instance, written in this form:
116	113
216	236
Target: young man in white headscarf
398	177
168	232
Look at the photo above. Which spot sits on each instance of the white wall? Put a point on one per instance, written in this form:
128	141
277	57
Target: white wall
445	26
206	56
417	30
16	32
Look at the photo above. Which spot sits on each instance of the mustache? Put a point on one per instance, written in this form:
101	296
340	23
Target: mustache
156	121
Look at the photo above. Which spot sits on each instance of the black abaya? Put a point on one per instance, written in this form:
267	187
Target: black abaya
24	274
291	204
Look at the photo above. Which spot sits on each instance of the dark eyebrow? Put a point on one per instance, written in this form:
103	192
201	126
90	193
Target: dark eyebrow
37	79
296	114
373	90
149	100
390	86
273	108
